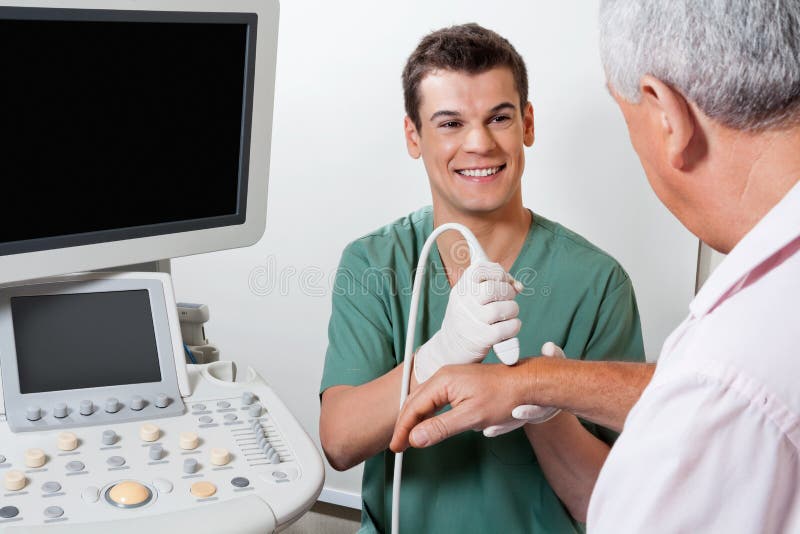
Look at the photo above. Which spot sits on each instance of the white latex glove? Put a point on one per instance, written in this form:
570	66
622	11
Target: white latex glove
481	312
528	413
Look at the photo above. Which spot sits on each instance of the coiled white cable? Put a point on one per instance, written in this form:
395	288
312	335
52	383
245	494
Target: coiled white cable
507	351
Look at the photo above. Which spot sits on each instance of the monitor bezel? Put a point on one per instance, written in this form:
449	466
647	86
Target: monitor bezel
250	20
111	248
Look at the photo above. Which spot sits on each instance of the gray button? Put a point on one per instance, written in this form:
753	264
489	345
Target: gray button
206	419
51	487
90	494
199	407
162	401
112	405
60	410
223	404
156	452
137	403
189	465
279	475
116	461
109	437
231	417
2	459
75	466
33	413
87	408
254	410
256	426
162	485
248	398
7	512
240	482
53	511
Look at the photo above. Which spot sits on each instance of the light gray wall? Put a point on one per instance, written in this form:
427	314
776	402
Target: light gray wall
340	169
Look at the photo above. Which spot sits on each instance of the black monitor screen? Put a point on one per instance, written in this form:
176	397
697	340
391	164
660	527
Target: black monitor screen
84	340
115	125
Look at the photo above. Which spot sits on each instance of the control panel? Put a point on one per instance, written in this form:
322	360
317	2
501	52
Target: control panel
236	440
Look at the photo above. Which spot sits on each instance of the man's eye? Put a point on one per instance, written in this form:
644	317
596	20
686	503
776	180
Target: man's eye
501	118
450	124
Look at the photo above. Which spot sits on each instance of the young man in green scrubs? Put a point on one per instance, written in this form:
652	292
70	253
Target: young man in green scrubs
469	119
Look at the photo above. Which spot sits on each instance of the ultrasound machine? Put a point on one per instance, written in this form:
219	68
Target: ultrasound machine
132	132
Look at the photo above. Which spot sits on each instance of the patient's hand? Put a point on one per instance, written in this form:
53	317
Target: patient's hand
480	395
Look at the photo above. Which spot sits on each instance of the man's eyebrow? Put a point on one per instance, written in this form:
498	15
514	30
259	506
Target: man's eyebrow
444	113
504	105
449	113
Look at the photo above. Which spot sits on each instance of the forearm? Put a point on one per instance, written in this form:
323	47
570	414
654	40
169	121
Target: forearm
570	458
356	422
600	392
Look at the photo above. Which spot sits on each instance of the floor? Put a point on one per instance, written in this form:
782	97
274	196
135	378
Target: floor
324	518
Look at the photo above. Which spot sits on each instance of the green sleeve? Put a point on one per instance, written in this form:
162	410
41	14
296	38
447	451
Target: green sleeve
616	335
360	340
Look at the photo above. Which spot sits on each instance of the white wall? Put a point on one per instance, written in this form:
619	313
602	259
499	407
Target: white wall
340	169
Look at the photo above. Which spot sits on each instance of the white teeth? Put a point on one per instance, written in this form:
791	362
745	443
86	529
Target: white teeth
479	172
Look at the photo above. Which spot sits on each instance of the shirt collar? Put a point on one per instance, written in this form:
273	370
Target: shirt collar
779	227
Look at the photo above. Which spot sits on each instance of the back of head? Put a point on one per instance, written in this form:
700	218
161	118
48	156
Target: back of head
737	60
466	48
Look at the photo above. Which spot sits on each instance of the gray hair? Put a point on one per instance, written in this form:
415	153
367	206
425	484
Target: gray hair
737	60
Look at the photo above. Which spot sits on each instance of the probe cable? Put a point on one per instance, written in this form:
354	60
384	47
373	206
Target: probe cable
507	351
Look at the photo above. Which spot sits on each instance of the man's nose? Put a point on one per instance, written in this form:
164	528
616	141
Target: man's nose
479	140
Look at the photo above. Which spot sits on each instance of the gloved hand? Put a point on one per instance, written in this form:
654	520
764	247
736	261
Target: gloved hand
480	313
528	413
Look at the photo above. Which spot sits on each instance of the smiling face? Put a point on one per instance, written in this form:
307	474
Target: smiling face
472	140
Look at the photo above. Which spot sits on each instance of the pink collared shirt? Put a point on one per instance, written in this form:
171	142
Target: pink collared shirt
713	445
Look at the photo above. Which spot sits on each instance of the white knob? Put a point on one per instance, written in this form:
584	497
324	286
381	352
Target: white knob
33	413
87	407
137	403
149	432
162	401
109	437
67	441
15	480
189	440
35	458
220	456
112	405
60	410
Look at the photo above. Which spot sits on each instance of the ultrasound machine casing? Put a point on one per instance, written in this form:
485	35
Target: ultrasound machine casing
211	454
103	426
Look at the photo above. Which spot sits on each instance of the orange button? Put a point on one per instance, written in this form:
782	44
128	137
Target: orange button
129	494
201	490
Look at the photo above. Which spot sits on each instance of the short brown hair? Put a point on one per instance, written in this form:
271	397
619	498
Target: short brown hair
467	48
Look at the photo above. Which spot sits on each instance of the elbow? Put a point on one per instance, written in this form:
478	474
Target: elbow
336	452
338	461
335	444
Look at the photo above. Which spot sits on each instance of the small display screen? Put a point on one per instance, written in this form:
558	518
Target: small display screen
84	340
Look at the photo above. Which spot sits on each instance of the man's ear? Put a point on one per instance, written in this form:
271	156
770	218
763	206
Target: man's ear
412	138
527	124
673	119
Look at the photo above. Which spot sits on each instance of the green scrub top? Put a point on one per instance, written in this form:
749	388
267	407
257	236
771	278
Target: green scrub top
575	295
